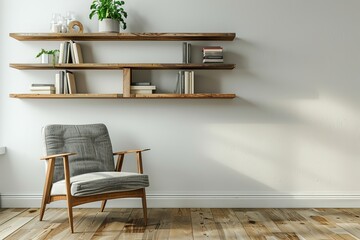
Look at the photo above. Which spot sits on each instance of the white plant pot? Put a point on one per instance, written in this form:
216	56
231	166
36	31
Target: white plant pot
49	58
46	58
109	25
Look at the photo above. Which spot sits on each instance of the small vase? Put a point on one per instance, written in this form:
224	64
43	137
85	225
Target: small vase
109	25
46	58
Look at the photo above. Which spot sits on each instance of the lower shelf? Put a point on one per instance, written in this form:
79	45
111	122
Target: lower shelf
120	96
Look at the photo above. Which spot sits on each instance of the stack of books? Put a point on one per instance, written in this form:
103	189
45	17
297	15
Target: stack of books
142	88
213	54
70	52
65	83
185	82
42	88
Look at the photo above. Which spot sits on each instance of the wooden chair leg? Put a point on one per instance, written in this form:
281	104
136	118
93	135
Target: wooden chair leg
144	206
47	186
103	205
70	213
42	209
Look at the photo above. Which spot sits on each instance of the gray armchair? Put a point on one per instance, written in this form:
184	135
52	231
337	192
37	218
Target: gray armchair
81	169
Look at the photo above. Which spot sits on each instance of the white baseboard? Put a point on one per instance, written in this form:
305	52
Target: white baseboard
202	201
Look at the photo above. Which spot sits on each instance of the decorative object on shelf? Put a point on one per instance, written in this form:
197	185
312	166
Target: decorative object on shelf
59	23
55	27
110	13
48	56
75	27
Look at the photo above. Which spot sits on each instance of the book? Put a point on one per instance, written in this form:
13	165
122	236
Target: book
61	53
141	83
43	91
141	91
205	60
70	77
42	85
42	88
72	51
57	83
78	54
142	87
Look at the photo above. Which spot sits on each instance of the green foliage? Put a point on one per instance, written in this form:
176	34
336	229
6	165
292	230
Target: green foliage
50	52
109	9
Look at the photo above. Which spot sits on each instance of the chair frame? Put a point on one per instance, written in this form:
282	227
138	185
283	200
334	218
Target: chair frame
73	201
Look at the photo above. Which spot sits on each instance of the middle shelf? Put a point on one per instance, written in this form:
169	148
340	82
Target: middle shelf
127	69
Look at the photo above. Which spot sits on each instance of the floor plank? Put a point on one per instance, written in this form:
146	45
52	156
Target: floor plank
15	223
203	224
183	224
181	227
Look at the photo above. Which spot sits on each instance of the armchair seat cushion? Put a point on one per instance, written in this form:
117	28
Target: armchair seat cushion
101	182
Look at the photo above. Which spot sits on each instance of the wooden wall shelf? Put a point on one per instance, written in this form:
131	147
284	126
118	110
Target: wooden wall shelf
124	36
119	66
120	96
125	67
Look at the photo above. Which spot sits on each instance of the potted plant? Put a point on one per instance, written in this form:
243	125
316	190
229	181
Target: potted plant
48	56
110	13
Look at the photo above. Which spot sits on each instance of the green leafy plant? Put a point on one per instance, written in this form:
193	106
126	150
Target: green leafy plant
109	9
49	52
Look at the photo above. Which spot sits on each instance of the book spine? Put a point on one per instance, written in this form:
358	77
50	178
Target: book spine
187	82
57	83
192	76
61	53
188	54
184	52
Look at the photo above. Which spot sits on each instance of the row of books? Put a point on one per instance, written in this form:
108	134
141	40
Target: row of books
65	82
70	52
142	88
185	82
186	52
213	54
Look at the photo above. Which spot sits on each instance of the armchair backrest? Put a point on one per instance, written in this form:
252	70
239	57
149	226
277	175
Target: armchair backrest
91	143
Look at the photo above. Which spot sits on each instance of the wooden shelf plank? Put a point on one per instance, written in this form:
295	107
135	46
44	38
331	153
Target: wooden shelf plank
124	36
66	96
120	96
119	66
184	96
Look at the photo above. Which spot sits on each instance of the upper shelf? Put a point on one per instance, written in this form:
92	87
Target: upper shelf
115	66
124	36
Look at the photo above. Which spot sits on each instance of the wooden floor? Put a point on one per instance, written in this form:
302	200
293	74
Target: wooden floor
184	223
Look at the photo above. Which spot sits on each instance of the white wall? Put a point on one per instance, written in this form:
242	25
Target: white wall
291	138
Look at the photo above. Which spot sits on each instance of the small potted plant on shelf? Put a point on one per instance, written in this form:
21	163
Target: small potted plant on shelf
110	13
48	56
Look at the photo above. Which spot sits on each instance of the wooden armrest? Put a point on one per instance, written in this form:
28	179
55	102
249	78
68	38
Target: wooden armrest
57	155
131	151
138	159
